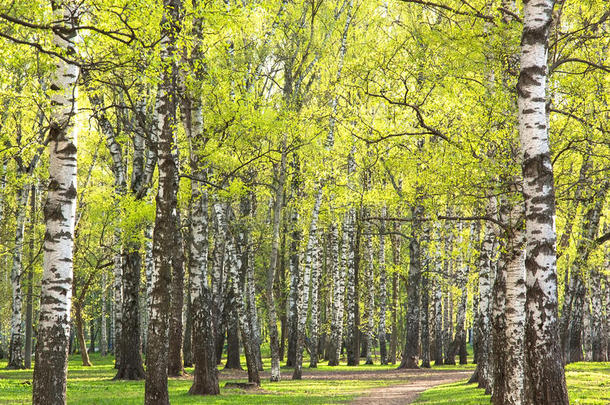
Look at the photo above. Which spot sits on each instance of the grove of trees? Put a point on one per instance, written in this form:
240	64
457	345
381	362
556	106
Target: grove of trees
387	181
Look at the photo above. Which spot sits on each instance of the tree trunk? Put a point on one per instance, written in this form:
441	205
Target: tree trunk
338	272
30	277
482	374
91	336
459	342
545	378
383	294
349	264
80	334
410	355
425	328
607	313
304	286
575	323
16	344
247	207
281	290
117	296
187	348
103	328
157	345
175	366
51	364
271	271
448	304
598	351
316	273
130	366
219	293
438	325
515	318
396	258
205	376
233	358
586	332
369	285
576	298
294	261
234	263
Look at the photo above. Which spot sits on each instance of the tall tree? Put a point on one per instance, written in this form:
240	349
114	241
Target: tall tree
544	377
272	270
410	354
156	392
51	362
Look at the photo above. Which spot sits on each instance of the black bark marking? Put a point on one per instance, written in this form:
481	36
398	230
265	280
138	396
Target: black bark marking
70	149
70	193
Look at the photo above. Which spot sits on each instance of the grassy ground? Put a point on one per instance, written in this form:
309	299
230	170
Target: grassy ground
94	385
588	383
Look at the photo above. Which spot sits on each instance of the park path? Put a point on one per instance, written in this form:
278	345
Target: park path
418	382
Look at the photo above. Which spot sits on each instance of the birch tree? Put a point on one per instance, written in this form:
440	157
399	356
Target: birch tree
51	365
156	391
544	376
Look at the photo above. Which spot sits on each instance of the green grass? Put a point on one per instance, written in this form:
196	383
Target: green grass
588	383
94	385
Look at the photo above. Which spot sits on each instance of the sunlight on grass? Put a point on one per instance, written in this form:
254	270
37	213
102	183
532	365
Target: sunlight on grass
94	385
588	383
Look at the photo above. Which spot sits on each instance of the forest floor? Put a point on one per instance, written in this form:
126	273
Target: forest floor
418	382
366	384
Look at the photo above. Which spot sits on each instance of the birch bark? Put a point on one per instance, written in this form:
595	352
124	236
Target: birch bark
271	271
410	354
234	263
383	290
545	378
50	368
156	391
338	299
304	286
16	343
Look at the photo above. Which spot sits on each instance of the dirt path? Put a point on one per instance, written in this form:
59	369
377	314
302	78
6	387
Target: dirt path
416	381
419	381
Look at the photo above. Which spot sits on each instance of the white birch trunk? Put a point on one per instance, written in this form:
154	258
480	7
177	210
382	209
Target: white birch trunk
597	324
369	283
545	378
336	329
485	292
50	368
304	286
155	388
383	291
117	296
272	270
103	328
316	272
515	322
205	379
234	265
16	344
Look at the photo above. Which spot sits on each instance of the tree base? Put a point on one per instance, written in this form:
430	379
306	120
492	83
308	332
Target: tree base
233	367
243	386
15	367
202	389
409	363
130	374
